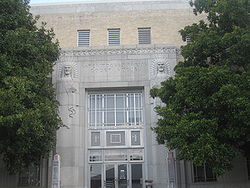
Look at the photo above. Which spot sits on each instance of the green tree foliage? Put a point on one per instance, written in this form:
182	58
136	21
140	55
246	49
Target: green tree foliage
28	108
207	113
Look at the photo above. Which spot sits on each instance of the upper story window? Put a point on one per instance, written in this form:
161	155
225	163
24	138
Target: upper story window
120	109
144	35
83	38
113	37
203	173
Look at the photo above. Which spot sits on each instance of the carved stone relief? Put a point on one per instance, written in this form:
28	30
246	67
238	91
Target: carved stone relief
160	66
67	71
72	111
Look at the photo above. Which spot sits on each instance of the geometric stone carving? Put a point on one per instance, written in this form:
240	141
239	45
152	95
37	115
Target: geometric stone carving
66	54
72	111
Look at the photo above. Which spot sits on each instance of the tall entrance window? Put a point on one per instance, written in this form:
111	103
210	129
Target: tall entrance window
115	140
122	109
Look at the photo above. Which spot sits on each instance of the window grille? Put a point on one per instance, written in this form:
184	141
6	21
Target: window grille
120	109
114	37
30	176
83	38
203	173
144	35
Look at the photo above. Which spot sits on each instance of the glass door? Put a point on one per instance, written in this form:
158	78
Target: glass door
116	176
122	175
110	180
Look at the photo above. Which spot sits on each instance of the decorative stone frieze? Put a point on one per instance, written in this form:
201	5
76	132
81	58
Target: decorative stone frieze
65	54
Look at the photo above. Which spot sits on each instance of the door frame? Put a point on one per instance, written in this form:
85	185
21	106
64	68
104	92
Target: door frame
129	173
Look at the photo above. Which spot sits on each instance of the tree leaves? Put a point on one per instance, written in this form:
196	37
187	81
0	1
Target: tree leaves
207	113
28	108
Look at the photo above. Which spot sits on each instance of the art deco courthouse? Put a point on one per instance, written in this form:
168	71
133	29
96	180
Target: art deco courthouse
112	55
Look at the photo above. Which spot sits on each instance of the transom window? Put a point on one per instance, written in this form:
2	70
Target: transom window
122	109
132	155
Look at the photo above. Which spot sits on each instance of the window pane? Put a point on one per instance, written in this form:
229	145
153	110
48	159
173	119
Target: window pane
120	101
92	102
98	102
110	118
120	117
92	118
110	102
131	119
131	101
99	118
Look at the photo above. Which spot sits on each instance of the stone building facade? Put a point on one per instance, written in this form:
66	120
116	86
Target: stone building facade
112	55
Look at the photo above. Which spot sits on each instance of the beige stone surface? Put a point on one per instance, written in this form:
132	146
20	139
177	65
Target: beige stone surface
164	24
